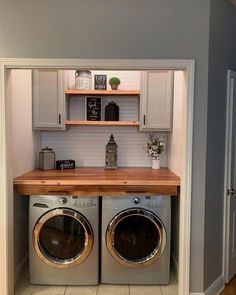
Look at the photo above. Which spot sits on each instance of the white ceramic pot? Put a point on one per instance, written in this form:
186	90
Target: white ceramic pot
155	163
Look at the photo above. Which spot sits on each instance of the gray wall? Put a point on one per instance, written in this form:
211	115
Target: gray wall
129	29
222	56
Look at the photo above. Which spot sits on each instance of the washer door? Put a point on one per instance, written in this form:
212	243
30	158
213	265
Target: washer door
63	238
136	238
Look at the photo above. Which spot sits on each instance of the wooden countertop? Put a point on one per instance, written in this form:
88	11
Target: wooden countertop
100	176
93	181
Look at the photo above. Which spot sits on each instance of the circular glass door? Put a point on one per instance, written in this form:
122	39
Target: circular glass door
136	238
63	238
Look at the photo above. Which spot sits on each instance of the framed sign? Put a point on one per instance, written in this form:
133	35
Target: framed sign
93	108
100	82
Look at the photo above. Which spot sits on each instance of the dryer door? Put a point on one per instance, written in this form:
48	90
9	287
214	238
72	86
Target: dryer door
136	238
63	238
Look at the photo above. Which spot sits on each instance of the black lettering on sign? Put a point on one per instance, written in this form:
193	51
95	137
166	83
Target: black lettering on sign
93	108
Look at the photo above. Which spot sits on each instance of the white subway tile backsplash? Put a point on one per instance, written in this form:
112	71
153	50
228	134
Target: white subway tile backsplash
86	145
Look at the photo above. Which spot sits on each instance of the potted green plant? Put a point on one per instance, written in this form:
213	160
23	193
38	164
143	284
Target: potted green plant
114	82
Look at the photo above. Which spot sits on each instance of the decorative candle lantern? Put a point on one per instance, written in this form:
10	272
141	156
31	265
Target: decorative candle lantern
111	153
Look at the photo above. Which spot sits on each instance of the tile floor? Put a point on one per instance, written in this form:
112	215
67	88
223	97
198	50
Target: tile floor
24	288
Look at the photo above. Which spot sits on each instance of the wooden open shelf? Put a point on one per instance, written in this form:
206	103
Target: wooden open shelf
103	92
101	123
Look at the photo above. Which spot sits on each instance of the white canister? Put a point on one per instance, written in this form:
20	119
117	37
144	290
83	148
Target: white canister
83	80
155	163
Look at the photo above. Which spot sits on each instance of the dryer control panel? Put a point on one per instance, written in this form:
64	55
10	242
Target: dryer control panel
83	202
64	201
149	201
154	201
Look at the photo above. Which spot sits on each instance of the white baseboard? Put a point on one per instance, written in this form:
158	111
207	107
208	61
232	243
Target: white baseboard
20	269
215	288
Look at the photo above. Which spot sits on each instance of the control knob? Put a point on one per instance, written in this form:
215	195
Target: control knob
63	201
136	200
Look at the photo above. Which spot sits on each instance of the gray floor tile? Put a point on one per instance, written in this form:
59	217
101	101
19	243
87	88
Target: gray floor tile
145	290
113	290
49	290
81	290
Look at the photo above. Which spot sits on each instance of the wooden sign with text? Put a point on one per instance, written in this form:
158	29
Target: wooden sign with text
100	82
93	108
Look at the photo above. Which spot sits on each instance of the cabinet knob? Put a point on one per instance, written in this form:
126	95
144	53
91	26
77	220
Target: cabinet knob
231	192
144	119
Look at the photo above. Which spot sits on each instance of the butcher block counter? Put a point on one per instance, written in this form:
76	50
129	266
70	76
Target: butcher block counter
99	182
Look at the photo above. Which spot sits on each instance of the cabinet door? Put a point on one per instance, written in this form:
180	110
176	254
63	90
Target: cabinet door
48	99
156	100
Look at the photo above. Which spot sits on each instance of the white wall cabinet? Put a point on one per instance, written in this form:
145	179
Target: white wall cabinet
156	100
48	99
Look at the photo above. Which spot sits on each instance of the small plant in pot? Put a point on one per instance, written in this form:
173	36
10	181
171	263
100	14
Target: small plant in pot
114	82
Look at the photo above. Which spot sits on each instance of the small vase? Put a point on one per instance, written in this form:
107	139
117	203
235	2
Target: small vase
155	163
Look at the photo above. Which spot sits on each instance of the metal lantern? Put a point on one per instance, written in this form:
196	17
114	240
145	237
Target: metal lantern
111	153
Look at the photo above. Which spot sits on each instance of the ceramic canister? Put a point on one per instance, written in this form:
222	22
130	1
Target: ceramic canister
47	159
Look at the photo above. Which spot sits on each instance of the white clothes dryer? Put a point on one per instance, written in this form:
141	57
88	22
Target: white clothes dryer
63	240
136	240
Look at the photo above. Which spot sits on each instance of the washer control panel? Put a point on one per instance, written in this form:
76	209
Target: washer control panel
154	201
82	202
76	201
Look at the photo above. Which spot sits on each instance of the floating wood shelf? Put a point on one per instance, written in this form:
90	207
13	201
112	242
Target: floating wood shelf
103	92
102	123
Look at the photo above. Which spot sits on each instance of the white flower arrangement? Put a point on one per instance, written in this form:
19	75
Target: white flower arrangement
155	146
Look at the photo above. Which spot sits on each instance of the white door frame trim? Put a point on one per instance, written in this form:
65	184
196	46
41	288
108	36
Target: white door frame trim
116	64
228	131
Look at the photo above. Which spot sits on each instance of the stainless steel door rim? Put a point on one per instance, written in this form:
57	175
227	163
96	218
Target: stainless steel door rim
63	263
143	261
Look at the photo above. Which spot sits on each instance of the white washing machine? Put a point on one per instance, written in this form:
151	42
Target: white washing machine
136	240
63	240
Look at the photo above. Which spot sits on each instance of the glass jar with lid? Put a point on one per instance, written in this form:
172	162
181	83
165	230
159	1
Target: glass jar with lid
83	79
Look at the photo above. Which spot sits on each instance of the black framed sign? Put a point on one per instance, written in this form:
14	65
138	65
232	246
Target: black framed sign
100	82
93	108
